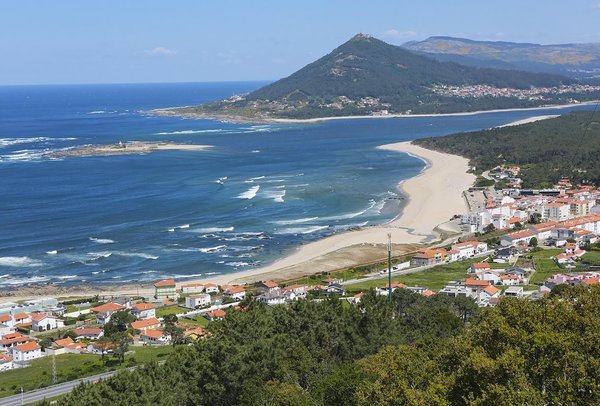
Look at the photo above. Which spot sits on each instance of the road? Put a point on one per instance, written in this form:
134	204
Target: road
38	395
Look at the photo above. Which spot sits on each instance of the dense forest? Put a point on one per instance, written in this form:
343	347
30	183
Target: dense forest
546	150
415	351
400	80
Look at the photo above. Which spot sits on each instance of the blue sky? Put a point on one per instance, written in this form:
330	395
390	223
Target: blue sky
77	41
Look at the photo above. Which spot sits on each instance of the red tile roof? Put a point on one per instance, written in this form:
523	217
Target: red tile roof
87	331
165	283
143	306
476	282
156	334
64	342
30	346
107	307
140	324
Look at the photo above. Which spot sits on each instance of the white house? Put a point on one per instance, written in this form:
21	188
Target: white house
154	337
235	293
469	249
510	280
211	288
45	322
89	333
7	320
195	301
192	288
490	275
104	311
6	362
514	291
26	352
144	310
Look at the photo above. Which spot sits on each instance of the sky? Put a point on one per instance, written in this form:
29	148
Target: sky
137	41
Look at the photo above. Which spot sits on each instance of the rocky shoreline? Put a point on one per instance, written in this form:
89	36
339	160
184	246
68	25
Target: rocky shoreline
125	148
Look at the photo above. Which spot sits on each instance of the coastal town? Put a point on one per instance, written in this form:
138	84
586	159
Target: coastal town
550	233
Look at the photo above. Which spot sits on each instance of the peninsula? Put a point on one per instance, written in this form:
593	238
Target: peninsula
366	77
125	148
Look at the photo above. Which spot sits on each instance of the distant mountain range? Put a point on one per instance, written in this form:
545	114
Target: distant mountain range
574	60
366	76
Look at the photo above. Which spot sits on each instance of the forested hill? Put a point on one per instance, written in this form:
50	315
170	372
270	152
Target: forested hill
546	150
417	351
365	66
367	76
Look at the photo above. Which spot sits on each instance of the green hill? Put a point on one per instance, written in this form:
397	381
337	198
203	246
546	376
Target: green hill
546	150
576	60
368	76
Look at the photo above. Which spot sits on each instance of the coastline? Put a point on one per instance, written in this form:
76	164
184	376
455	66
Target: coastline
169	112
433	197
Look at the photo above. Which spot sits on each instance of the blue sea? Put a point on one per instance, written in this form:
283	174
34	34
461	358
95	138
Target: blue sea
261	191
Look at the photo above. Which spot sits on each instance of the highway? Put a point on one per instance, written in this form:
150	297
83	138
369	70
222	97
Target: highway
48	392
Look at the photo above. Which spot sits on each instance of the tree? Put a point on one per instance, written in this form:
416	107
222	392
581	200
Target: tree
120	342
489	228
535	218
118	322
46	343
533	242
170	319
176	333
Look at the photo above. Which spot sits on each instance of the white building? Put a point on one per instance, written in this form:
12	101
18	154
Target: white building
45	322
6	362
26	352
144	310
211	288
192	288
195	301
469	249
557	211
235	293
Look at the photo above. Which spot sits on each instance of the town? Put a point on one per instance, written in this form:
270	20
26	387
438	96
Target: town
513	243
533	93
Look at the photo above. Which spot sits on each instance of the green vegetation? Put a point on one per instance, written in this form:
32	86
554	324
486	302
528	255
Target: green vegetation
173	309
544	265
432	278
416	351
366	75
546	150
72	366
591	258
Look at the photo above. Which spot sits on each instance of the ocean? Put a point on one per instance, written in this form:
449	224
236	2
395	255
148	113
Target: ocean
261	191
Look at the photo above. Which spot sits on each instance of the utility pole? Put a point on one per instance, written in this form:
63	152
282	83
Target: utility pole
54	369
389	246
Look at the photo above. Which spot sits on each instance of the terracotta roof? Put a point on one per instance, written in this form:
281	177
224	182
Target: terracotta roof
492	290
199	331
41	316
467	243
428	292
30	346
140	324
87	331
4	358
430	253
476	282
480	265
21	316
12	335
107	307
165	283
192	285
591	281
64	342
395	285
17	339
511	276
143	306
217	313
210	285
156	334
6	318
270	284
235	289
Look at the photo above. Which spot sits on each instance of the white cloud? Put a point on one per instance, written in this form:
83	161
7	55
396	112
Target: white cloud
597	6
162	51
399	35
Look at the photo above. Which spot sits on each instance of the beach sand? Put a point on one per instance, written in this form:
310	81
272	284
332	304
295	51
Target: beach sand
433	197
529	120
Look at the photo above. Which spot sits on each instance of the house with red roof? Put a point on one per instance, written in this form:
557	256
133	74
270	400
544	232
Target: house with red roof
104	311
428	257
13	339
165	289
235	293
268	286
154	337
144	310
215	314
45	322
211	288
6	362
88	333
147	324
26	352
479	267
192	288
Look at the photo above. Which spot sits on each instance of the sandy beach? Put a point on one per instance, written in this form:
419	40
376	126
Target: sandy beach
433	197
171	112
529	120
130	147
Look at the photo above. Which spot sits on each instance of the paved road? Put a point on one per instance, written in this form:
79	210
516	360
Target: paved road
55	390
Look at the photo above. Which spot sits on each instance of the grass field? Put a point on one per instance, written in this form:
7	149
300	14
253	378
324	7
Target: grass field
174	309
198	321
72	366
591	258
433	278
544	265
